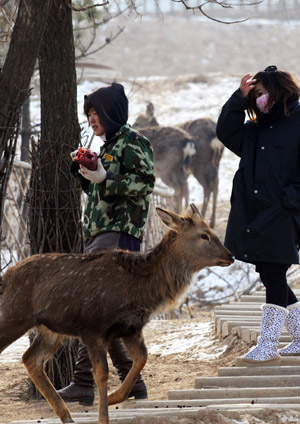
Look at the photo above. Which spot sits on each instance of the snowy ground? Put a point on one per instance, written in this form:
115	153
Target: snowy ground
173	340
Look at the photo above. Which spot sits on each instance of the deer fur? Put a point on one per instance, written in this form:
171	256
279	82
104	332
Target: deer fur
202	160
147	120
99	296
204	164
173	149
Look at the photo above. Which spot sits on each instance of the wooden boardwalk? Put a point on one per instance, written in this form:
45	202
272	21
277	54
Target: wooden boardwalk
238	388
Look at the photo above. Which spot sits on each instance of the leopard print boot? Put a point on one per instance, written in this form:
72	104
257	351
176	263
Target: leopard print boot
292	324
272	322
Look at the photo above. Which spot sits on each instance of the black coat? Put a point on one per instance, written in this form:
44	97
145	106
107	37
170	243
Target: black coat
264	220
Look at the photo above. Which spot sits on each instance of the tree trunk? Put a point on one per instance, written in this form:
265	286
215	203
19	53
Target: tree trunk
26	130
14	81
55	216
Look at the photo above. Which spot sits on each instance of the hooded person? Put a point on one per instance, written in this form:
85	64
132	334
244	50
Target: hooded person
111	104
118	194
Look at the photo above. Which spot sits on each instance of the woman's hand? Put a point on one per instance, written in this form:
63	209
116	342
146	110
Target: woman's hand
247	83
94	176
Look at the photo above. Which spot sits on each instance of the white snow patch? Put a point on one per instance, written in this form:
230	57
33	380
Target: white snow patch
193	336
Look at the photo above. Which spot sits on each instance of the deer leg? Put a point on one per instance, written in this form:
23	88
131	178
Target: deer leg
206	196
214	207
186	193
177	201
138	353
98	357
44	346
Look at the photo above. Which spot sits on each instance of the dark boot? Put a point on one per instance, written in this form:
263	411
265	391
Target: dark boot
123	364
81	389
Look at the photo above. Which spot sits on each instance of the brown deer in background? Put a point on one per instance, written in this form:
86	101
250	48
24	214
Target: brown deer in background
99	296
202	160
173	149
147	120
204	164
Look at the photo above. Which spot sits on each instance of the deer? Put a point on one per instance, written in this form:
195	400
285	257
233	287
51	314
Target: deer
201	157
204	164
95	297
173	149
147	120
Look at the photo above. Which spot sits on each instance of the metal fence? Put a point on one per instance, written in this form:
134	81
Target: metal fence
15	240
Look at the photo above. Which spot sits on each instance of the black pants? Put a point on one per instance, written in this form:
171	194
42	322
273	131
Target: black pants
273	277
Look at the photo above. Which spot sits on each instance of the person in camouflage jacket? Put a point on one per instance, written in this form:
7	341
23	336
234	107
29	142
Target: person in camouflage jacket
123	198
116	211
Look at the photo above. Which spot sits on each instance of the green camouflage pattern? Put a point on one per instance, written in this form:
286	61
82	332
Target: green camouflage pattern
121	202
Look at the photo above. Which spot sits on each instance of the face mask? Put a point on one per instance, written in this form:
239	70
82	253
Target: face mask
261	103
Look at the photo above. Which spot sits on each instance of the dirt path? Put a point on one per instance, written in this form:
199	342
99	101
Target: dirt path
162	372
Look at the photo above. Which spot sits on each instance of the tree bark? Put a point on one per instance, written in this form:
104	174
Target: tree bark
15	79
56	212
55	196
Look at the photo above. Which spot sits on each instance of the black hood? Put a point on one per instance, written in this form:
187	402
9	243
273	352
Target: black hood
111	105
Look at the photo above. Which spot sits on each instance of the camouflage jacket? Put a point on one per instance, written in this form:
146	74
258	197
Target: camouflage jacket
121	202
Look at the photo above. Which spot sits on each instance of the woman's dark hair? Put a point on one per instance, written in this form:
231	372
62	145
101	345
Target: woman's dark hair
281	86
87	106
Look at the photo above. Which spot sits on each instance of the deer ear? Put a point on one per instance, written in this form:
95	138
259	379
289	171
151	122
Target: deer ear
171	219
193	212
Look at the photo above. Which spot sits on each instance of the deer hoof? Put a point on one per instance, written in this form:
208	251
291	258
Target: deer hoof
68	420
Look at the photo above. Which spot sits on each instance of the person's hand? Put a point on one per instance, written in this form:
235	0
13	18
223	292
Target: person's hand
247	83
94	176
73	154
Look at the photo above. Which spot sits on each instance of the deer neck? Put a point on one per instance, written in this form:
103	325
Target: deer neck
171	275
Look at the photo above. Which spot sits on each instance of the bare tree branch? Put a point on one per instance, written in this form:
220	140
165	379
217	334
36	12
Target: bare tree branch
108	40
3	3
84	49
8	17
83	9
224	4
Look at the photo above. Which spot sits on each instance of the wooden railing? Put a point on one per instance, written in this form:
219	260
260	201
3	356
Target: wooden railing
15	241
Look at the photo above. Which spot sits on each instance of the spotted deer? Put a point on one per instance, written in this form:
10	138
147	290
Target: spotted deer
96	297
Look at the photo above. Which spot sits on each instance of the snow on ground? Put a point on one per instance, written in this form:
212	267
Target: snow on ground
14	352
192	336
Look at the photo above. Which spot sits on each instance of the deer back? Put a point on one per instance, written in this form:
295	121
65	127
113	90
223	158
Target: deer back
112	292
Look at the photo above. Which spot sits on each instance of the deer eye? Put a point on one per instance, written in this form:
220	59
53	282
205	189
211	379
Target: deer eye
204	237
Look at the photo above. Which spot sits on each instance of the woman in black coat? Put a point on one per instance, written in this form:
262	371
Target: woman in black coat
264	222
